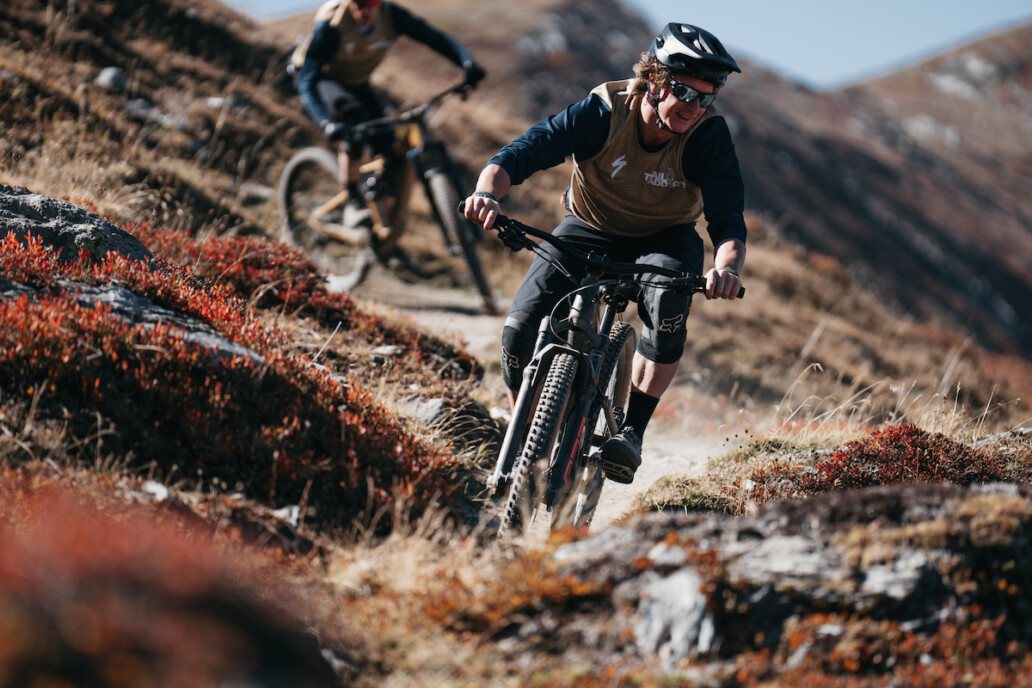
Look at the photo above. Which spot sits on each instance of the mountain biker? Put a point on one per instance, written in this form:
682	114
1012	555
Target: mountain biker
650	155
349	39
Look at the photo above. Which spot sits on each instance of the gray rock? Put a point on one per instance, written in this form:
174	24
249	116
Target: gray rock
9	289
389	350
673	621
112	79
697	587
138	310
65	227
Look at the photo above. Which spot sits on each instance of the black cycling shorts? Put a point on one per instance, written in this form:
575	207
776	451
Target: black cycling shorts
354	104
663	312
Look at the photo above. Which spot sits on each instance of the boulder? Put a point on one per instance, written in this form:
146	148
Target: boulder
66	227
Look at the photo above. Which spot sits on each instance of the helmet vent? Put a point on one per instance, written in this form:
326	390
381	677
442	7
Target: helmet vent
703	46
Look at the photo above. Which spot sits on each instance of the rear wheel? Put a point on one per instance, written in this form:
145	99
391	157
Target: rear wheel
446	200
313	218
527	482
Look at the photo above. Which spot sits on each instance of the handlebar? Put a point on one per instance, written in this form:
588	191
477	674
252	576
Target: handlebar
514	234
369	127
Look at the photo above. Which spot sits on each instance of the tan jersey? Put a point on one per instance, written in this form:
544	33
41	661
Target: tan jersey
626	190
359	53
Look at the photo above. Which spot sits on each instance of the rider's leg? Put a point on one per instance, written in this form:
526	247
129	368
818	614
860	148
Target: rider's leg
350	105
663	312
536	297
648	382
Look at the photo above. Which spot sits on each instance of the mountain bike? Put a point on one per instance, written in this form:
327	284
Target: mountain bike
575	389
312	200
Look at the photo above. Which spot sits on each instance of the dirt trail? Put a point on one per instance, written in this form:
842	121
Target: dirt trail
667	450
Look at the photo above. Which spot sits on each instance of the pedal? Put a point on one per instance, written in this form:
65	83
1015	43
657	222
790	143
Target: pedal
618	473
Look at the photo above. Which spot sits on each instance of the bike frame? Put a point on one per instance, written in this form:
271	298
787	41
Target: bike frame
423	152
585	335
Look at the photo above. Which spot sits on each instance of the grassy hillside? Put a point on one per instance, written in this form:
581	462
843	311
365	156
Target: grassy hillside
291	516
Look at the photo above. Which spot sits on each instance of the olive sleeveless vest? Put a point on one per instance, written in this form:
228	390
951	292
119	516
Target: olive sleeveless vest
359	53
626	190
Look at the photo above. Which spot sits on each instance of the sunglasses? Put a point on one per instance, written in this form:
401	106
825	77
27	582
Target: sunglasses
367	4
686	94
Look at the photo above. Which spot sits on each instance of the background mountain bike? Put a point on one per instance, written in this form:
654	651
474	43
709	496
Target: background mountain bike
575	389
312	199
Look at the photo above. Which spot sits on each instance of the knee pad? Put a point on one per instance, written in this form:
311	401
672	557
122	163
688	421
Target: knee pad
517	348
664	313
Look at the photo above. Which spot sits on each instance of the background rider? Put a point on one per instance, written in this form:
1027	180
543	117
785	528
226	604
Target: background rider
349	39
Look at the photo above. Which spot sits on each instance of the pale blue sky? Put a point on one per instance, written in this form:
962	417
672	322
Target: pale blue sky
824	43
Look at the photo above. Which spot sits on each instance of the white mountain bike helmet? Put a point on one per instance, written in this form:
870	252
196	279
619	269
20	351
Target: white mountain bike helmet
693	52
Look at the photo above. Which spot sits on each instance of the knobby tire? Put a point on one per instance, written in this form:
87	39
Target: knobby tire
538	445
577	503
310	180
446	198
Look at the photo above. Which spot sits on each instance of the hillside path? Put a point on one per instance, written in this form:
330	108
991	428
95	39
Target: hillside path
667	451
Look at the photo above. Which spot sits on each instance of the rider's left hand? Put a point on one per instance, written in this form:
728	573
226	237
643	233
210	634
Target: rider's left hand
722	283
482	208
474	73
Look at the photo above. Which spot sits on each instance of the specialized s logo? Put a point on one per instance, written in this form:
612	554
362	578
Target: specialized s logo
618	165
664	180
672	324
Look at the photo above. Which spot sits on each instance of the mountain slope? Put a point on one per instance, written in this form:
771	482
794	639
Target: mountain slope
917	181
855	278
175	513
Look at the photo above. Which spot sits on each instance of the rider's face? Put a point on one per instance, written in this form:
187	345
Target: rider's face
364	12
678	115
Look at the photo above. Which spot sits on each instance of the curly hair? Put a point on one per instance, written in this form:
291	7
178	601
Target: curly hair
649	66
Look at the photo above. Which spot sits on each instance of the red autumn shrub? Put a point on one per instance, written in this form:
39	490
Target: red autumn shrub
281	429
273	275
891	454
905	453
117	597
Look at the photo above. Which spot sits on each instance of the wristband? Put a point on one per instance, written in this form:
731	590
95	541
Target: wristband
485	194
732	271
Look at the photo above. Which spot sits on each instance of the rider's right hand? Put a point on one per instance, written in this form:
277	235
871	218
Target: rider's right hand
482	208
334	131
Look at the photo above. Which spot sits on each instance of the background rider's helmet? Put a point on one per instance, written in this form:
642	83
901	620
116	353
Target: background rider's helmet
693	52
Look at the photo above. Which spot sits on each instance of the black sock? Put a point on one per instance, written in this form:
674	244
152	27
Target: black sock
354	194
639	411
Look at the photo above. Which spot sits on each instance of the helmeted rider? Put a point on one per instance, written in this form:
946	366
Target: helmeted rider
651	155
349	40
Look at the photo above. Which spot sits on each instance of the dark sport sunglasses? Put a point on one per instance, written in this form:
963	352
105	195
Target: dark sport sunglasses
686	94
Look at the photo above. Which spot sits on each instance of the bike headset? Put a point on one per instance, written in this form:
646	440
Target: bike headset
690	51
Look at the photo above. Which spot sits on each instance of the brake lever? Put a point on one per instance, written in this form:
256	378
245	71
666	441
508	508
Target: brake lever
515	239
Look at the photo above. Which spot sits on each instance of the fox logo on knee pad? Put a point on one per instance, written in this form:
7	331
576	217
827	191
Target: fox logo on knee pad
672	324
509	361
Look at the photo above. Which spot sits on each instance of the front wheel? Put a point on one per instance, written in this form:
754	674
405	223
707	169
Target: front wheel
578	501
313	218
533	458
446	200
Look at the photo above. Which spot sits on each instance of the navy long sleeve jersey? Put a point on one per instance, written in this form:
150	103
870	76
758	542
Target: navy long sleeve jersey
581	130
326	42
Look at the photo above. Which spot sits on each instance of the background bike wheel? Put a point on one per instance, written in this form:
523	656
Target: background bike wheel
578	502
525	486
446	198
309	182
